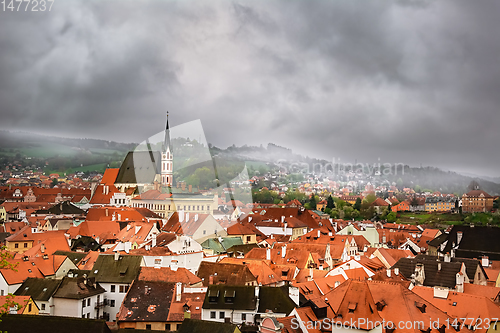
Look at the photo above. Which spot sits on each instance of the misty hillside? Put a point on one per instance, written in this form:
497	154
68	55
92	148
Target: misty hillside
32	140
418	178
69	155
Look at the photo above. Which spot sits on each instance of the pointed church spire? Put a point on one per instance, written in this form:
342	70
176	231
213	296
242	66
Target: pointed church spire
166	142
167	159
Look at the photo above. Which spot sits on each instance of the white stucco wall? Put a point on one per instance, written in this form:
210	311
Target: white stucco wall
117	296
67	307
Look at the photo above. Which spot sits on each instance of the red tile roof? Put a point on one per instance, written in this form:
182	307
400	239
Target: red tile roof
259	268
105	230
240	229
108	213
153	195
109	176
461	305
23	270
307	274
166	274
21	300
103	194
379	202
400	305
477	194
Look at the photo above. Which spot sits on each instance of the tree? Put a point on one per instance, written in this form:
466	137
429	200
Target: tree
370	198
348	212
54	182
330	203
496	203
340	204
292	195
312	202
357	204
391	217
264	196
334	214
385	211
5	263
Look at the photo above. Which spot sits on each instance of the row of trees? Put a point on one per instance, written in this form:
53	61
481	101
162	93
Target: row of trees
335	207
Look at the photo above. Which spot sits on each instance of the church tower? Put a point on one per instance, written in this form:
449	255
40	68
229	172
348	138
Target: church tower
167	159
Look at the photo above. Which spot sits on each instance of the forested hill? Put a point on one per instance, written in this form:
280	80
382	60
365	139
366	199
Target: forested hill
209	166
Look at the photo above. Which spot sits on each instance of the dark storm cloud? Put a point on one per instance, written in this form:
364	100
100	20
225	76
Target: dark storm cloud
409	81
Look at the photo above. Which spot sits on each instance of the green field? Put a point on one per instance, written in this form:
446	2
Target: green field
105	151
45	150
448	218
101	167
424	218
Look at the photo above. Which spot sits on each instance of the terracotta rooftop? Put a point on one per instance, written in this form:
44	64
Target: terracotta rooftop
166	274
223	273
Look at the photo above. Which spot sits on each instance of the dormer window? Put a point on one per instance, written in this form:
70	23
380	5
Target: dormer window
229	296
380	305
213	295
421	306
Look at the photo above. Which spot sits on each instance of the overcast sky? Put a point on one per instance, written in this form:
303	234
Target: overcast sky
415	81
